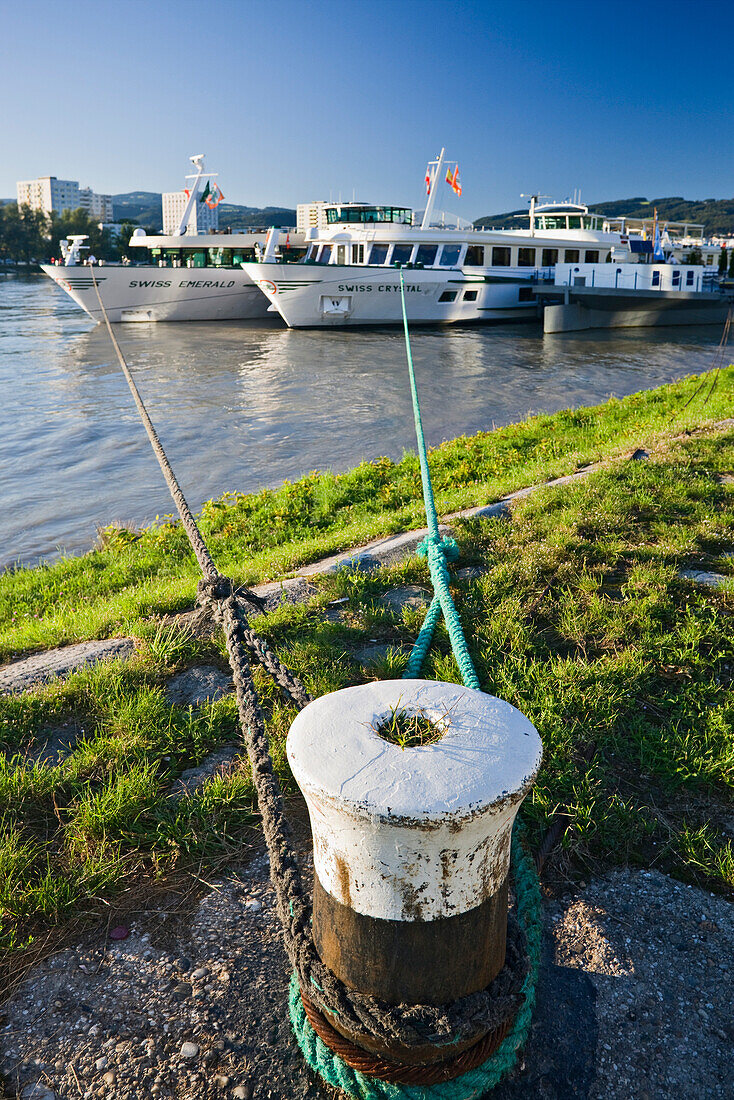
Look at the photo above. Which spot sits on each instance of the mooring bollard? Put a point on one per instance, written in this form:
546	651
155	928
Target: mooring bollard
412	845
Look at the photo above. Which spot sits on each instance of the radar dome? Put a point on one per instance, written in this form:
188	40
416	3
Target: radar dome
138	232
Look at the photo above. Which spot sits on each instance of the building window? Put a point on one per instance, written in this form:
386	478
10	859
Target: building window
450	255
526	257
525	294
448	296
501	256
378	255
426	254
550	257
572	255
474	256
591	256
401	253
470	295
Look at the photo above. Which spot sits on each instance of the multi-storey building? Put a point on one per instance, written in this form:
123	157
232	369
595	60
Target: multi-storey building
99	207
47	193
310	215
202	218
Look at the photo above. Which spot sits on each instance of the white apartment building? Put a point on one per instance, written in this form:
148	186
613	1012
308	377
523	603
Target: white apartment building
202	218
99	207
48	193
310	215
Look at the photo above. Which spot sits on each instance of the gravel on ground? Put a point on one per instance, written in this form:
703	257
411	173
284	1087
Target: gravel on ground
634	1001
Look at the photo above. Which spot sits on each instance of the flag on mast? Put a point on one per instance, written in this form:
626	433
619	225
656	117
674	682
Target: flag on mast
453	180
215	196
428	180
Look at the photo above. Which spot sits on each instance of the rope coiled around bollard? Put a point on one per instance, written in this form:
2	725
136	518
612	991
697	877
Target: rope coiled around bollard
508	996
476	1082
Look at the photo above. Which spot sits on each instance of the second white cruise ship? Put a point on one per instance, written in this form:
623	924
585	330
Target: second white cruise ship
350	274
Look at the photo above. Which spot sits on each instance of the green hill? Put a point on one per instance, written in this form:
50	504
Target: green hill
717	215
144	207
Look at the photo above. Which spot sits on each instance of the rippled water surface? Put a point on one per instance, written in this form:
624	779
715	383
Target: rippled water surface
242	405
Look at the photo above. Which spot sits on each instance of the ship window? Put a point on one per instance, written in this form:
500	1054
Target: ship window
501	256
324	254
526	257
656	278
574	223
572	255
311	251
591	256
470	295
474	256
525	294
426	254
357	253
676	278
689	278
550	257
450	255
401	253
378	255
554	222
448	296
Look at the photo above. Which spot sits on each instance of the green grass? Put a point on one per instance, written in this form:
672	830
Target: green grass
579	618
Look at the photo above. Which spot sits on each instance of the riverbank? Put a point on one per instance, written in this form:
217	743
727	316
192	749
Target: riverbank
576	608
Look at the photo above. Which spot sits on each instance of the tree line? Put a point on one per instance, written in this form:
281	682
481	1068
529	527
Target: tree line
29	236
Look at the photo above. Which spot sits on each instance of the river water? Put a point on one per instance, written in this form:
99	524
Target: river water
241	406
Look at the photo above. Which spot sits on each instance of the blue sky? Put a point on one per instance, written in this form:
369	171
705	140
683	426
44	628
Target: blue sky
295	100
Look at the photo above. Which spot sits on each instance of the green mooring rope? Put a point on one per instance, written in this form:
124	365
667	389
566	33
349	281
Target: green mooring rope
439	552
477	1082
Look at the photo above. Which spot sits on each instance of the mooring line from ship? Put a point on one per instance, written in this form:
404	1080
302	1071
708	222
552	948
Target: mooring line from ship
716	366
340	1062
509	997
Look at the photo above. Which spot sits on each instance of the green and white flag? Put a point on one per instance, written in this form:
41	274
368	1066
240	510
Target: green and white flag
205	193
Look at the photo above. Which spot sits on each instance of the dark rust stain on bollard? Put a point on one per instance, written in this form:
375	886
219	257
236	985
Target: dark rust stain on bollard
418	962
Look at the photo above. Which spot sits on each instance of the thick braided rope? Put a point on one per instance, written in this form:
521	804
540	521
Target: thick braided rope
194	534
436	549
477	1082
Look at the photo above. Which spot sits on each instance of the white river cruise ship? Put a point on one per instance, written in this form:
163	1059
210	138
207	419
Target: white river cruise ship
350	274
180	276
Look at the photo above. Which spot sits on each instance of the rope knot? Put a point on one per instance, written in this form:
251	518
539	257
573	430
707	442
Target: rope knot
430	547
212	590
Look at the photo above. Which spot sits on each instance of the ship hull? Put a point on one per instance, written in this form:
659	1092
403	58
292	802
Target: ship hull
145	293
349	296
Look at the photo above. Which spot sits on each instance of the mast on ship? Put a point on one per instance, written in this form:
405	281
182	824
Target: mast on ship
433	178
198	162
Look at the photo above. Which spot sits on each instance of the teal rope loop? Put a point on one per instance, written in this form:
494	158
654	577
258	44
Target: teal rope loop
439	551
477	1082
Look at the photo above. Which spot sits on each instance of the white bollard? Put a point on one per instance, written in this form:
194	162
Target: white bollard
412	846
